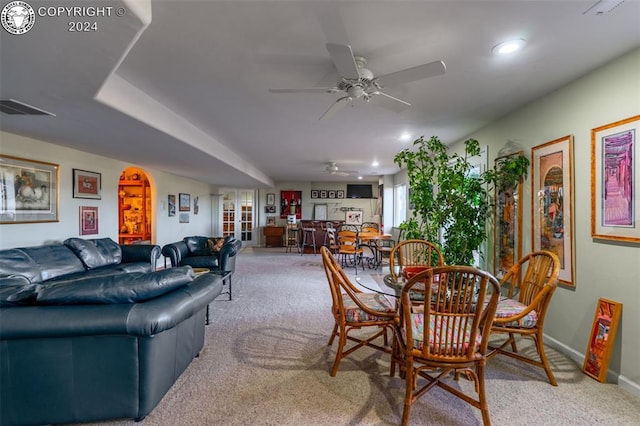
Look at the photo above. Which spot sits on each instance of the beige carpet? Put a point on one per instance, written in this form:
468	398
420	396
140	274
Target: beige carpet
266	362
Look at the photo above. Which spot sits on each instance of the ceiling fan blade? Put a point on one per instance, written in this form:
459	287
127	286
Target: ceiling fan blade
335	106
377	92
307	90
343	59
408	75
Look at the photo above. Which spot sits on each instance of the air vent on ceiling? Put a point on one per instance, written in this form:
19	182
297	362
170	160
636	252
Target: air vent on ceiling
13	107
603	6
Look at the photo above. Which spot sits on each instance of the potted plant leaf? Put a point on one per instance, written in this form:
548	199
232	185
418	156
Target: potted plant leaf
452	204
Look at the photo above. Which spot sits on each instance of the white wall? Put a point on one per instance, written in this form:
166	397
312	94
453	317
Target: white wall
165	229
334	206
603	269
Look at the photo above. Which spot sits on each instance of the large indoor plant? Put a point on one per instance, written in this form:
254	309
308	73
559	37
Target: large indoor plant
452	204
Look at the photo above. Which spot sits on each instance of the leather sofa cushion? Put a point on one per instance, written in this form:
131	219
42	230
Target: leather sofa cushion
54	260
17	290
16	262
115	289
95	253
198	246
209	262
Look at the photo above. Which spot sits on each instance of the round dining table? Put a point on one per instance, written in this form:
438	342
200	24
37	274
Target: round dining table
371	240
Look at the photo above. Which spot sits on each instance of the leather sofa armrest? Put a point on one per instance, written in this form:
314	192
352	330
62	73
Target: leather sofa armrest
163	313
140	253
175	252
230	249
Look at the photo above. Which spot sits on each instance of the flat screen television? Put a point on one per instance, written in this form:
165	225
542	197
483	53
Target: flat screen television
359	191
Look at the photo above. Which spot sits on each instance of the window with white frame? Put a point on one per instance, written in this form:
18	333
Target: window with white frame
399	204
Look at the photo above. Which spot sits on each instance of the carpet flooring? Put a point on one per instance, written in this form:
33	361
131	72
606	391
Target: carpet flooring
266	362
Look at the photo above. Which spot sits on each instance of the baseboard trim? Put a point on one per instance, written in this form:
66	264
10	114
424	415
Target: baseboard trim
612	376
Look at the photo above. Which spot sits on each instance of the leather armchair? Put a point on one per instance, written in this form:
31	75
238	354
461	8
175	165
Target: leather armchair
194	251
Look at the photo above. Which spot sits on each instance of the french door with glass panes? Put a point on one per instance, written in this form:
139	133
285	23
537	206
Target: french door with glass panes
238	214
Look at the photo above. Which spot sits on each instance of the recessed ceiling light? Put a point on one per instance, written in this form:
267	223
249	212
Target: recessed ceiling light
359	177
508	47
405	136
375	163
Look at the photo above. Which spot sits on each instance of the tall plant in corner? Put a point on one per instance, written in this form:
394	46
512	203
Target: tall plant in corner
452	204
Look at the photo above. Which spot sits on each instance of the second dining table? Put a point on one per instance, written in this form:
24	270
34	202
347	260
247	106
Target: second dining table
372	241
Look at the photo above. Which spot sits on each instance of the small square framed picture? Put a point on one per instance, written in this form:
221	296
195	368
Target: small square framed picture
340	193
314	193
332	194
87	184
271	199
323	194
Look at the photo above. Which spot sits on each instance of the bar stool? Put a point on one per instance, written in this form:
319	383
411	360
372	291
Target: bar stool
292	237
308	239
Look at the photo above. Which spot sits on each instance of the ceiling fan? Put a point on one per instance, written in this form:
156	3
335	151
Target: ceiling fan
333	169
357	82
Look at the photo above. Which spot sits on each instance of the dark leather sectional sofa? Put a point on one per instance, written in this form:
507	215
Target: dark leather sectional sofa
89	331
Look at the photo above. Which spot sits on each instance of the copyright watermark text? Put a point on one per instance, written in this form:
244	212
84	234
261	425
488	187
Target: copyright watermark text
18	17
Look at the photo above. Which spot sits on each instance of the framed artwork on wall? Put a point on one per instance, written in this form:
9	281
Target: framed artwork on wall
603	333
88	220
320	211
314	193
323	193
271	199
30	190
353	217
184	202
184	218
552	203
171	203
340	193
87	184
615	181
290	204
508	223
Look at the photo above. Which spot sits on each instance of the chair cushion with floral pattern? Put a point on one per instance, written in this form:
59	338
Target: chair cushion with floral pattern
375	301
417	328
510	307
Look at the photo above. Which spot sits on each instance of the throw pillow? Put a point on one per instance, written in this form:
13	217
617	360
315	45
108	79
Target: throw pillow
95	253
215	245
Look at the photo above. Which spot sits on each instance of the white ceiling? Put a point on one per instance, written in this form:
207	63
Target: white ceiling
182	86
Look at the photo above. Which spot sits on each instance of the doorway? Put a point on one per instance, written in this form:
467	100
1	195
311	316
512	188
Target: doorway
238	214
135	216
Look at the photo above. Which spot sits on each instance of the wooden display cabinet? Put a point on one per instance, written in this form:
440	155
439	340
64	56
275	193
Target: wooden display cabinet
134	212
273	236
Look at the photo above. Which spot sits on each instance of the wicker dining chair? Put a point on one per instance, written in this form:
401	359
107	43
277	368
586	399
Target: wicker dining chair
353	309
446	333
413	253
531	282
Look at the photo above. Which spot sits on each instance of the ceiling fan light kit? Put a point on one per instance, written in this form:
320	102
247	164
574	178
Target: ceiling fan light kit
358	82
